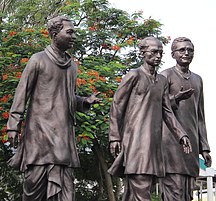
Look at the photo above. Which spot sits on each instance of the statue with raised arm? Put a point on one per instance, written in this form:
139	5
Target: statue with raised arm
186	96
139	106
47	89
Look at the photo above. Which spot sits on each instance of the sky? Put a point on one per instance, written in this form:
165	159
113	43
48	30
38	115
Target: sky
196	20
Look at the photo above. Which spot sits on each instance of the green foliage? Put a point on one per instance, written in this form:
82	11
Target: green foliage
105	50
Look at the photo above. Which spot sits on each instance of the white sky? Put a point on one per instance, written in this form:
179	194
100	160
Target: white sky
195	19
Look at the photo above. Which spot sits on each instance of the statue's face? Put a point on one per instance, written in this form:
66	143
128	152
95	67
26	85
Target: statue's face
183	53
66	37
153	54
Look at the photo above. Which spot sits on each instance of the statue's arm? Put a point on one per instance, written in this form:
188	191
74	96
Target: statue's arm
173	124
22	94
118	111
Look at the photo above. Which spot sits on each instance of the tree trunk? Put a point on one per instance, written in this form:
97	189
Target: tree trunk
118	188
108	180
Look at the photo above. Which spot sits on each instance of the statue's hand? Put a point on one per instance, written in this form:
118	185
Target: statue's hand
93	99
207	158
183	94
11	137
186	145
115	148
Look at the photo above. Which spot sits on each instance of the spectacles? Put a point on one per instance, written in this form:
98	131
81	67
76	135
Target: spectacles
155	52
183	50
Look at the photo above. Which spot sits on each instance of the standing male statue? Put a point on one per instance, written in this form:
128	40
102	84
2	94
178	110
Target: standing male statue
139	106
186	96
47	152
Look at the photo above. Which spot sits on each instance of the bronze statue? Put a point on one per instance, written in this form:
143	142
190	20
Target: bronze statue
47	152
186	96
139	106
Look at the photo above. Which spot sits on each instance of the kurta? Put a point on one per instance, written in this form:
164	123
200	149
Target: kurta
190	114
47	86
139	105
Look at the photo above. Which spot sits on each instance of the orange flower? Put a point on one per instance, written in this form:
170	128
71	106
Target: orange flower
91	81
78	139
24	60
115	47
68	3
80	81
44	31
111	91
119	35
12	33
29	30
96	75
92	72
118	79
102	79
84	136
129	41
18	75
4	99
0	108
92	28
79	71
4	129
4	77
10	96
5	39
5	115
93	88
4	138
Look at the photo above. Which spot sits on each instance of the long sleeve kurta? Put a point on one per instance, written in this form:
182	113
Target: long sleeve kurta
190	114
139	106
47	85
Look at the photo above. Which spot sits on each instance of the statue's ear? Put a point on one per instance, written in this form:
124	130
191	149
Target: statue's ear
54	34
142	52
173	55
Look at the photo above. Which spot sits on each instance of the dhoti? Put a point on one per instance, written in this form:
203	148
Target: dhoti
177	187
138	187
48	182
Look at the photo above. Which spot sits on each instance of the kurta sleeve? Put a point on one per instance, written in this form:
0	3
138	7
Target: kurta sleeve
119	105
203	142
169	117
173	103
82	106
22	94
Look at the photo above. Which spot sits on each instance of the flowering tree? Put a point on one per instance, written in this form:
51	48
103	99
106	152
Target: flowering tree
105	50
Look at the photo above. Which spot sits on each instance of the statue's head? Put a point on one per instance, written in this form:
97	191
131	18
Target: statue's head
62	32
182	51
146	42
179	40
55	24
152	50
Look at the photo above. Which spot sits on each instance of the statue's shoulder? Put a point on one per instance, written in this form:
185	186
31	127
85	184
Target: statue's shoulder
39	56
167	72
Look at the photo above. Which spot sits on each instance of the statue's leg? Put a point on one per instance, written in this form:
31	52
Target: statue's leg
138	187
35	183
61	184
176	187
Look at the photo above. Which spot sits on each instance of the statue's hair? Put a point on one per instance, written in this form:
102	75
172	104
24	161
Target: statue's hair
179	39
55	24
144	42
